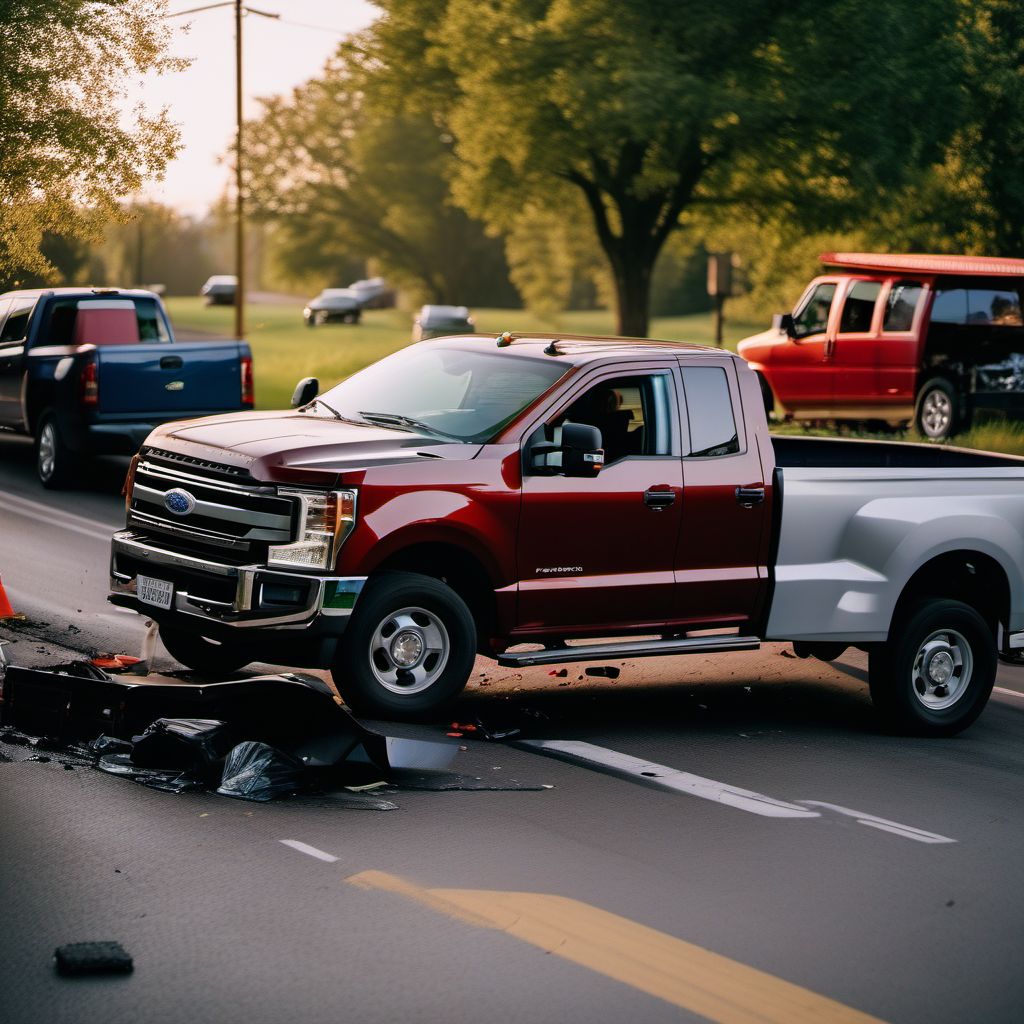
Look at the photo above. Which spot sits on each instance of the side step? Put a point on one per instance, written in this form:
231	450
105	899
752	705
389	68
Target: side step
629	649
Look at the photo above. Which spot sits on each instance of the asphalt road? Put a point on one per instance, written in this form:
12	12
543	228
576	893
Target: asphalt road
736	842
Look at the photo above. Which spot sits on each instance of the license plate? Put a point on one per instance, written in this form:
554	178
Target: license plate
158	592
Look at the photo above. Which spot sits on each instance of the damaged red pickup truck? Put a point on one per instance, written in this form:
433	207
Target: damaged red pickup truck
591	498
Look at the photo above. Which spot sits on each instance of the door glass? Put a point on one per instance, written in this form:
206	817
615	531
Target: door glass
901	305
17	320
812	317
859	307
632	414
950	306
710	412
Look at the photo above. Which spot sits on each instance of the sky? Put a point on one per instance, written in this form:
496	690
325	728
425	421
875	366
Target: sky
278	55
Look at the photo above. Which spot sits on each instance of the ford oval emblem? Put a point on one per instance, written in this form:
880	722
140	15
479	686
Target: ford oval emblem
179	502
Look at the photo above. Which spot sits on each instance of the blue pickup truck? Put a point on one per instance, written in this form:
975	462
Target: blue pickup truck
91	371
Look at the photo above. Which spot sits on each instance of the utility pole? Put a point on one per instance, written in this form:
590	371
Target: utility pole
239	198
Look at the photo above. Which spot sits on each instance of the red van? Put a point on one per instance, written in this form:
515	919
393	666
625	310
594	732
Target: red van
932	340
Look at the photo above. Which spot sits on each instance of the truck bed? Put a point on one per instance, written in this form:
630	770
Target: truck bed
859	518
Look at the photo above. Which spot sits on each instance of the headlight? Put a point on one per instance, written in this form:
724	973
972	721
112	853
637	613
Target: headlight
325	520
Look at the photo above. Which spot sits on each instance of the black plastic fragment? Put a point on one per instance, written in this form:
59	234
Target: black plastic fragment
256	771
196	745
92	958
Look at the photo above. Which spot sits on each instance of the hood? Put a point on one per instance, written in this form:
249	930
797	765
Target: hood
758	346
300	448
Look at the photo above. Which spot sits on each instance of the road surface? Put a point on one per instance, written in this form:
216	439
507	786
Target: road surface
723	838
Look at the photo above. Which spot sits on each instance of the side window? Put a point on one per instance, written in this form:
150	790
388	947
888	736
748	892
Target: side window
5	304
709	410
994	307
632	413
859	307
812	317
950	306
901	305
16	325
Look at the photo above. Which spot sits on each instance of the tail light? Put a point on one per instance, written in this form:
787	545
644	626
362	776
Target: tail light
89	384
247	388
129	483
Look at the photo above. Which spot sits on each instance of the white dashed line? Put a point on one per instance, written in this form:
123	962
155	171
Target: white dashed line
906	831
310	851
1009	693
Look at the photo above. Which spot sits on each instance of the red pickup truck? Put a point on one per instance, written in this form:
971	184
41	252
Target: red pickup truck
548	500
933	340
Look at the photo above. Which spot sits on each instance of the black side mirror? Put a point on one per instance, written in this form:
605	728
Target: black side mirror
784	322
305	391
579	454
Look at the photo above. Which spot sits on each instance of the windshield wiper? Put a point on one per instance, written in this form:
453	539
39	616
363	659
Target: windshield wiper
330	408
394	419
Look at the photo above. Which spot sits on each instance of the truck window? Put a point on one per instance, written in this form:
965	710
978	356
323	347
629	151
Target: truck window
16	325
709	410
993	307
859	307
63	315
950	306
812	317
632	413
901	305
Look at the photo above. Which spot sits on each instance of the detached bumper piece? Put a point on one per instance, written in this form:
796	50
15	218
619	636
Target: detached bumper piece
78	958
238	596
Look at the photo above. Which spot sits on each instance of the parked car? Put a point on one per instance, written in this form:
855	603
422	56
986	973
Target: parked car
928	340
93	370
436	321
332	305
373	293
465	496
220	289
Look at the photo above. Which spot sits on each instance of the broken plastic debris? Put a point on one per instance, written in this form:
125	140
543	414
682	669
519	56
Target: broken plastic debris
92	958
114	662
255	771
560	672
608	671
196	745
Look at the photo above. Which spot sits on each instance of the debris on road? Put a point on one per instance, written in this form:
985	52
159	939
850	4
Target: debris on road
79	958
114	662
256	771
606	671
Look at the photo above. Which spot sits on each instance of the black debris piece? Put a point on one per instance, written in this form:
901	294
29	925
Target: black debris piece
607	671
92	958
256	771
109	745
168	781
195	745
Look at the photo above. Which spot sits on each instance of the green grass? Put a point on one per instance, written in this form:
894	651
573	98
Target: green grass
285	350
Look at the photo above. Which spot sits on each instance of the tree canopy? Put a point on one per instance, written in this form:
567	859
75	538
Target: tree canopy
69	153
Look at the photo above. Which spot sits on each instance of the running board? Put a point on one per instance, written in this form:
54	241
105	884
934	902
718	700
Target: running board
629	649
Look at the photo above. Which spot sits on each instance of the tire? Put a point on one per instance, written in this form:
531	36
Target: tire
936	414
428	622
55	463
944	636
204	656
351	317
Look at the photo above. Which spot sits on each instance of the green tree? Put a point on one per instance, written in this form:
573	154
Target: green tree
67	157
651	107
346	177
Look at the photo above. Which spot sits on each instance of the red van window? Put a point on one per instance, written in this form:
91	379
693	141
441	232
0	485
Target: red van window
901	305
812	317
859	307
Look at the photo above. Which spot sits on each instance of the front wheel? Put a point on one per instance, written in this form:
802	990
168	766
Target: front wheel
937	416
935	674
408	649
207	657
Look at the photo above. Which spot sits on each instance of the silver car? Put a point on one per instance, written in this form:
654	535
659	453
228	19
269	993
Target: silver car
437	321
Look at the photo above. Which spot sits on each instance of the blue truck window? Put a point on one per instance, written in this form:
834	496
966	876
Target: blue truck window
63	314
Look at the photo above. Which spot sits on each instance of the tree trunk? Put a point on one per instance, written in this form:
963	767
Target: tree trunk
632	272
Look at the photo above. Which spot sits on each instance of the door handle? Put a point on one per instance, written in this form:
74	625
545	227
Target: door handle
171	362
748	497
830	348
658	499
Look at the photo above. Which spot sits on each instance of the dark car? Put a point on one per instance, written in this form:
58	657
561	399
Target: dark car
333	305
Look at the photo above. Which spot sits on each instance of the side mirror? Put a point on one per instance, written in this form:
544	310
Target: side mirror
305	391
784	322
579	454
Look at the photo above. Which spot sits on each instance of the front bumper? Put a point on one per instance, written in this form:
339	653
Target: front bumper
220	600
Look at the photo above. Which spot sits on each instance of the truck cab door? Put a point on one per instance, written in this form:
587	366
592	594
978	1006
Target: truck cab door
13	329
724	540
801	371
595	555
855	352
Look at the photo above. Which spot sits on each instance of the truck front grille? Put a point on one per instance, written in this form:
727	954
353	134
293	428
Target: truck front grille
233	522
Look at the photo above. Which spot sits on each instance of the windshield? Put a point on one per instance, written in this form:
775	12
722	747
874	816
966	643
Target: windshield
448	392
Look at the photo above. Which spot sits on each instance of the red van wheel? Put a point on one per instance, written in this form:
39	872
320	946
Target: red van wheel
936	415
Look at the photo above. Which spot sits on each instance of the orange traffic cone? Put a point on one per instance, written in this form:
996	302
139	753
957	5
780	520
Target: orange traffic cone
6	611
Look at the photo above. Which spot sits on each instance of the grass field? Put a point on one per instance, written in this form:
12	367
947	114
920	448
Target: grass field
285	350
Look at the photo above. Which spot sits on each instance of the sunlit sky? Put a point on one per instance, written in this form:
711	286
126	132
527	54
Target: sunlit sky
278	55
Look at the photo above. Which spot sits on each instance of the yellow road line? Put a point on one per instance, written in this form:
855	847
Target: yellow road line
661	965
